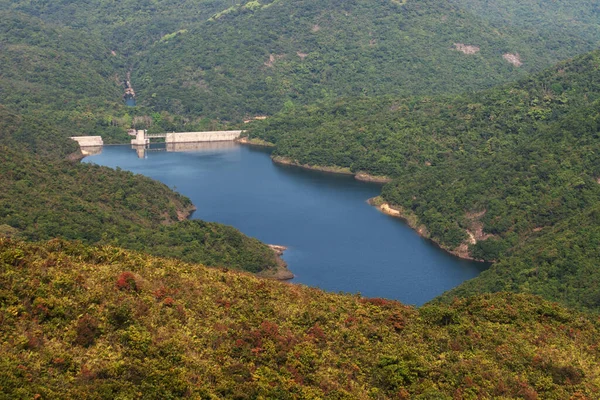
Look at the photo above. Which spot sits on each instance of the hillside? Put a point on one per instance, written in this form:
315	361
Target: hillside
44	198
222	60
60	78
83	322
505	165
256	58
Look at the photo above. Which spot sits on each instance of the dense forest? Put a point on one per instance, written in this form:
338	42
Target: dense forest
42	199
98	323
225	60
510	162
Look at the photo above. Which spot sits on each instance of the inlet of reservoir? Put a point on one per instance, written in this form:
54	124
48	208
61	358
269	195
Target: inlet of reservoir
335	240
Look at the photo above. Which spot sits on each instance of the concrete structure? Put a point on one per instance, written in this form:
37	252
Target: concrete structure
89	145
142	138
196	137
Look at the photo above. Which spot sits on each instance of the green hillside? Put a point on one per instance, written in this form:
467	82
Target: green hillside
44	198
228	60
99	323
506	165
256	58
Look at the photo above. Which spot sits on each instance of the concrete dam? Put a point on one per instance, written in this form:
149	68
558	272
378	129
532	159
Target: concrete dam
93	144
142	137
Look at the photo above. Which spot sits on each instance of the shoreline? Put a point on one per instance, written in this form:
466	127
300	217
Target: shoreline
461	252
333	170
281	272
254	142
359	176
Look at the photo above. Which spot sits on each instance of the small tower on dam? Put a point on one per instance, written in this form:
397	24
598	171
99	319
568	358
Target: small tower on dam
141	138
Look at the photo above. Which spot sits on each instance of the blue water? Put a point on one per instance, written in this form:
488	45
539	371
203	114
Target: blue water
335	240
130	102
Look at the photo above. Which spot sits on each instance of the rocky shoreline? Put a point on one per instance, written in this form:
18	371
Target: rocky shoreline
461	252
288	161
281	273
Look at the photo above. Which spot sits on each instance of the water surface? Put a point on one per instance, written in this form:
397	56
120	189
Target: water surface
335	240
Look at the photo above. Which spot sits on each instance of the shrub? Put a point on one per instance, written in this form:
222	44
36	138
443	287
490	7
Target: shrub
126	281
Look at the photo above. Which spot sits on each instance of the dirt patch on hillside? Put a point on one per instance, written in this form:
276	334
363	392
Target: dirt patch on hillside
514	59
273	58
475	230
466	48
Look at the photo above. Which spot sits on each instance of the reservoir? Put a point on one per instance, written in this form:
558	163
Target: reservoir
335	240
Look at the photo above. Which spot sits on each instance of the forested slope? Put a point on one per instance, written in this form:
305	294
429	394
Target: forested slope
56	83
97	323
502	164
256	57
44	198
61	78
227	60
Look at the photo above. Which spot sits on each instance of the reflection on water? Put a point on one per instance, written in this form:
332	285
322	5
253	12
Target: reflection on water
183	147
91	150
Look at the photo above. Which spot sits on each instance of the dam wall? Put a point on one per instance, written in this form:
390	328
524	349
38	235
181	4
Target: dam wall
89	145
196	137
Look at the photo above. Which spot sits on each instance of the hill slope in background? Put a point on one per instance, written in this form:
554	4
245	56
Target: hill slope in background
56	83
61	77
105	323
254	58
218	60
504	165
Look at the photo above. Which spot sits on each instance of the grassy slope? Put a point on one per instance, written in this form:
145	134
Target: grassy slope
523	157
105	323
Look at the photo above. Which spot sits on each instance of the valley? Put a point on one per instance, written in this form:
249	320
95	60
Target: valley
479	118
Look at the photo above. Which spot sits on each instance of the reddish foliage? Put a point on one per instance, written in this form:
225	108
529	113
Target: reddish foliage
377	301
350	321
169	302
33	341
527	392
224	303
397	321
160	293
317	333
86	374
297	376
269	329
126	281
41	311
